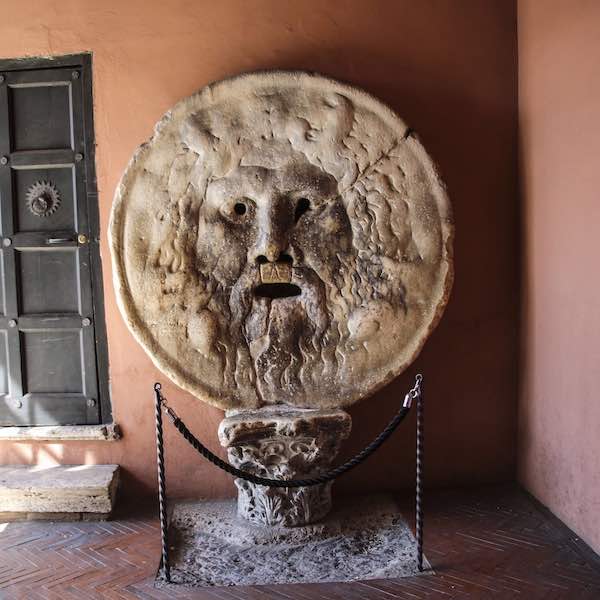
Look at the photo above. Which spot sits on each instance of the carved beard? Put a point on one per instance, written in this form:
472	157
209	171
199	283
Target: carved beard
285	337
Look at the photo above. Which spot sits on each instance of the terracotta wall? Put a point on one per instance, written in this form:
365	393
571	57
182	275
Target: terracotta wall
449	69
559	96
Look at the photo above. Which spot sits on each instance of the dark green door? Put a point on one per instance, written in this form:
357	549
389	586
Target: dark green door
48	339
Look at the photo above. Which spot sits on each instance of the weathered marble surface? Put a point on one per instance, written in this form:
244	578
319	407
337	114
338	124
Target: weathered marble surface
283	443
60	489
365	538
282	238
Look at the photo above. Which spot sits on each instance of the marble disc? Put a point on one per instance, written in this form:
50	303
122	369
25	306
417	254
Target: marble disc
282	238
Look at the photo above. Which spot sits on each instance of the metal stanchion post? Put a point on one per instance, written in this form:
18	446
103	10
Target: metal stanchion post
419	480
162	488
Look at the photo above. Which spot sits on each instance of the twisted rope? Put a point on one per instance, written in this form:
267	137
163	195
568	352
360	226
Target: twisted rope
294	483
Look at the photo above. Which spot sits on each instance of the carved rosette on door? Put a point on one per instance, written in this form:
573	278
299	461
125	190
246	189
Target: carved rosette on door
282	240
43	199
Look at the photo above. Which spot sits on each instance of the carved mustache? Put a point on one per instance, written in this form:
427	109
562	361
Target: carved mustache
279	272
276	281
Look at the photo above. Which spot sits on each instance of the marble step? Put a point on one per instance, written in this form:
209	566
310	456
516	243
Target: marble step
65	492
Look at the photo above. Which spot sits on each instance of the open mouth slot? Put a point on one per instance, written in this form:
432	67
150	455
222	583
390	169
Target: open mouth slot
277	290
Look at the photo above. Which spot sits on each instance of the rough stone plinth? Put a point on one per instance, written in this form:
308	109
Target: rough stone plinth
362	538
76	490
283	443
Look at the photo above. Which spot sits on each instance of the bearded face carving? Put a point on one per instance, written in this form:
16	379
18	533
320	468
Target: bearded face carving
281	239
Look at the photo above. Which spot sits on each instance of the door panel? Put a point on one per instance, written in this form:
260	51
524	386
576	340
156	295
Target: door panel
3	365
52	360
41	115
2	283
48	342
48	281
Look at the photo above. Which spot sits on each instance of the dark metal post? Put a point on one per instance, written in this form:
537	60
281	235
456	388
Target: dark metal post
162	488
419	482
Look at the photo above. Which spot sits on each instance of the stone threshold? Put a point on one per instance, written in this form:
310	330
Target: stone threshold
62	491
10	517
61	433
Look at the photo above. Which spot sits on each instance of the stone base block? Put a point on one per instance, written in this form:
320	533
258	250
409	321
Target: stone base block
362	538
76	491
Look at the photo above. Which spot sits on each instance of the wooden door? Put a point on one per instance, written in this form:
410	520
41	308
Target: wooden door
50	334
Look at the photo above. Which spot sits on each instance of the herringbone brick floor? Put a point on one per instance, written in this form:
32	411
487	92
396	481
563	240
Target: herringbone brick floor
486	543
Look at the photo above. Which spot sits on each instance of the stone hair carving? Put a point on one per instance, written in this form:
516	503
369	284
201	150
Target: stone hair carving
283	238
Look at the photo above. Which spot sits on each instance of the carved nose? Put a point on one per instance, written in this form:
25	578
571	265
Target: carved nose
270	249
273	233
261	259
271	252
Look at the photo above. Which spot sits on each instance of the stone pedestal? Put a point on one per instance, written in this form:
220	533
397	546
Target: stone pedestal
283	443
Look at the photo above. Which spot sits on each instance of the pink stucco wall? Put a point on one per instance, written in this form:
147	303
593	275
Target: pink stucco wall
559	100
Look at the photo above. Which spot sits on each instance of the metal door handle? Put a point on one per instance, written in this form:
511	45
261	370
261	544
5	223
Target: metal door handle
59	240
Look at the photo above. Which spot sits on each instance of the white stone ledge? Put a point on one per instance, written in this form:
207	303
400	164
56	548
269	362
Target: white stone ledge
59	489
61	433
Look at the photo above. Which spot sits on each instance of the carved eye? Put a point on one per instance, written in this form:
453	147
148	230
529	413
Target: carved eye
302	206
237	209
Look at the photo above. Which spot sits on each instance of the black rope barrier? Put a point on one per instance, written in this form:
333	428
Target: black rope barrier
160	402
294	483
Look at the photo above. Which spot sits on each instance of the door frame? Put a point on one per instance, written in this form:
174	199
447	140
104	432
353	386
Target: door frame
83	63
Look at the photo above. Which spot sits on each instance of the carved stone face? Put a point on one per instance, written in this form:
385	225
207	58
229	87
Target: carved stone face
273	217
281	240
